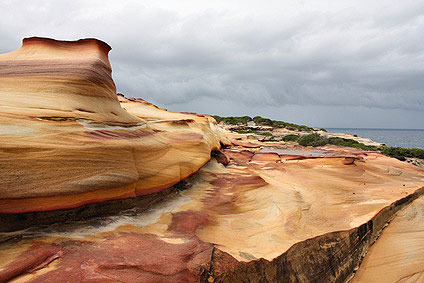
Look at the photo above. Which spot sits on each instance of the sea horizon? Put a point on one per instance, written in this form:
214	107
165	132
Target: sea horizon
398	129
408	138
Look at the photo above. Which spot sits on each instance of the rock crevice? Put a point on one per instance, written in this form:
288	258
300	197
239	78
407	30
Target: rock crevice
332	257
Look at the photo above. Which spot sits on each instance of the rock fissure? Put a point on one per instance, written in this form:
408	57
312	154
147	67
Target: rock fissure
309	267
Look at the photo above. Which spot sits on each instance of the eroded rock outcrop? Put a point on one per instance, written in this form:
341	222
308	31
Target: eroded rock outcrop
66	141
257	219
257	212
398	255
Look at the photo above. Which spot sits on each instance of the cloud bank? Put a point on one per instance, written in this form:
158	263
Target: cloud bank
322	63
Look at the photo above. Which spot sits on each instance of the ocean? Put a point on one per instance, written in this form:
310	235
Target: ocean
390	137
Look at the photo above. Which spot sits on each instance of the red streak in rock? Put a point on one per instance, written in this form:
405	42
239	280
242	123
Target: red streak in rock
63	44
15	206
186	222
221	157
225	190
152	190
349	160
268	156
245	144
126	257
37	257
182	121
115	135
225	180
240	157
296	157
195	114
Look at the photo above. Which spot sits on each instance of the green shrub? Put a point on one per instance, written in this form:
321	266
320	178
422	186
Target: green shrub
399	152
291	138
260	121
313	140
350	143
316	139
396	152
233	120
280	124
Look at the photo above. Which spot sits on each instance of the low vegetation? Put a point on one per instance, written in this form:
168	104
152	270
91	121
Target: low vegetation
401	153
291	138
318	140
280	124
260	121
312	140
233	120
351	143
315	139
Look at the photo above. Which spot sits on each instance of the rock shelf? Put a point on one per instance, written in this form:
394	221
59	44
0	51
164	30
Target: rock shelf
95	186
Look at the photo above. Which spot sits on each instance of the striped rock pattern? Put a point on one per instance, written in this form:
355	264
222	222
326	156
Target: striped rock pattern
65	140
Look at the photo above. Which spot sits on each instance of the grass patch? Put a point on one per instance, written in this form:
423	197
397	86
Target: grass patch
396	152
233	120
243	120
318	140
280	124
400	152
351	143
313	140
291	138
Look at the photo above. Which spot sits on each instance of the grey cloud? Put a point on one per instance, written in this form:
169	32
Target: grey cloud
305	55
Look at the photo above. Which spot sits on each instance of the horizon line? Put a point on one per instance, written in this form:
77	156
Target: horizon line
357	128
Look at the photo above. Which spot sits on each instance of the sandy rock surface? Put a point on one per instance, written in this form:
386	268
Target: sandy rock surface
255	207
66	141
258	211
398	254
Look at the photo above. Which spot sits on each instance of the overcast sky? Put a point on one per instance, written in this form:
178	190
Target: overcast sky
320	63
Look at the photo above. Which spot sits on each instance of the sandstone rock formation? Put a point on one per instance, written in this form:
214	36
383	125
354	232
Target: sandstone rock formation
256	212
258	219
66	141
398	255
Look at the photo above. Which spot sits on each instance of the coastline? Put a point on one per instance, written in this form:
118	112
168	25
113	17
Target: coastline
405	138
364	140
419	162
270	134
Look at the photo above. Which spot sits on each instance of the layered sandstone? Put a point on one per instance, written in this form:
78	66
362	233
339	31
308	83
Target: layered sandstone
271	214
65	140
256	212
398	254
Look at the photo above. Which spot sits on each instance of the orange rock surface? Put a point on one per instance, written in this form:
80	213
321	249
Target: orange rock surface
65	140
253	211
258	211
398	255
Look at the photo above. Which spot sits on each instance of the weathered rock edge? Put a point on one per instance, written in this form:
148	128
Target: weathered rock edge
332	257
13	222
